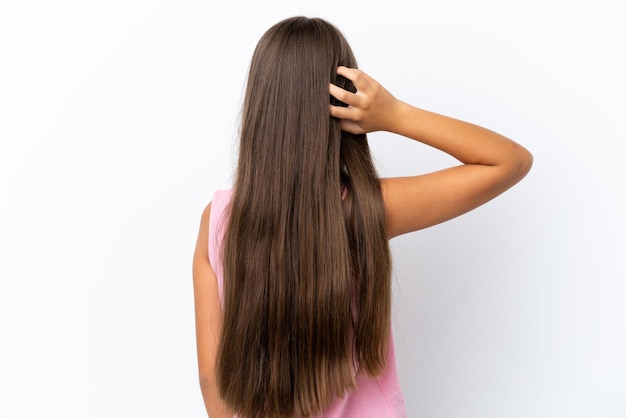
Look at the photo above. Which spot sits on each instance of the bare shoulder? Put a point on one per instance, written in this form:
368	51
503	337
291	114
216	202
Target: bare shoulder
202	243
206	212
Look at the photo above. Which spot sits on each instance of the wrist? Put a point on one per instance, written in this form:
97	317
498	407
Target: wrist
403	119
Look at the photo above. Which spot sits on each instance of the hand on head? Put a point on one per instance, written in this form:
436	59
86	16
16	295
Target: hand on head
371	108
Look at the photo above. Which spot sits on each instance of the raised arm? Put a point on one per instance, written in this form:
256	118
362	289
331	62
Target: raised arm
492	163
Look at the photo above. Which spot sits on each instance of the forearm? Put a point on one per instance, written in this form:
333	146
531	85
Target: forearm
469	143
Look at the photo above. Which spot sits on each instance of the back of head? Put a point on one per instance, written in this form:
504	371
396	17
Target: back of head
285	121
306	272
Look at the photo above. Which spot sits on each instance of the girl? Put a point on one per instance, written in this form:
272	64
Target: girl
292	266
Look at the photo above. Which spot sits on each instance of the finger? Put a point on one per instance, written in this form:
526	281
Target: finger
340	112
358	77
344	95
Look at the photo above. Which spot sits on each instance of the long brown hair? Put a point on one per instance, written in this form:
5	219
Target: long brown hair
307	290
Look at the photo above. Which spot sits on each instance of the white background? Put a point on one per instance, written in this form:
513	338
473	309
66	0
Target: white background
118	121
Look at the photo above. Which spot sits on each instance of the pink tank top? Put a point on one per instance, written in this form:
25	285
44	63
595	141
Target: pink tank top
379	397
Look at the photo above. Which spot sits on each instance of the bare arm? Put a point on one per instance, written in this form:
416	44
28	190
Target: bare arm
208	312
492	163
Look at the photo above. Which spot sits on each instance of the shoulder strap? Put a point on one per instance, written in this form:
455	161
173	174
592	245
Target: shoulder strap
217	226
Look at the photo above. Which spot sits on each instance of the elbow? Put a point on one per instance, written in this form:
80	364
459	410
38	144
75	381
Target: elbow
209	390
207	383
526	162
215	405
522	162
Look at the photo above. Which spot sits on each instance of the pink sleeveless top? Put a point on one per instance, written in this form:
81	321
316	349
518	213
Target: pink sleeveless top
379	397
